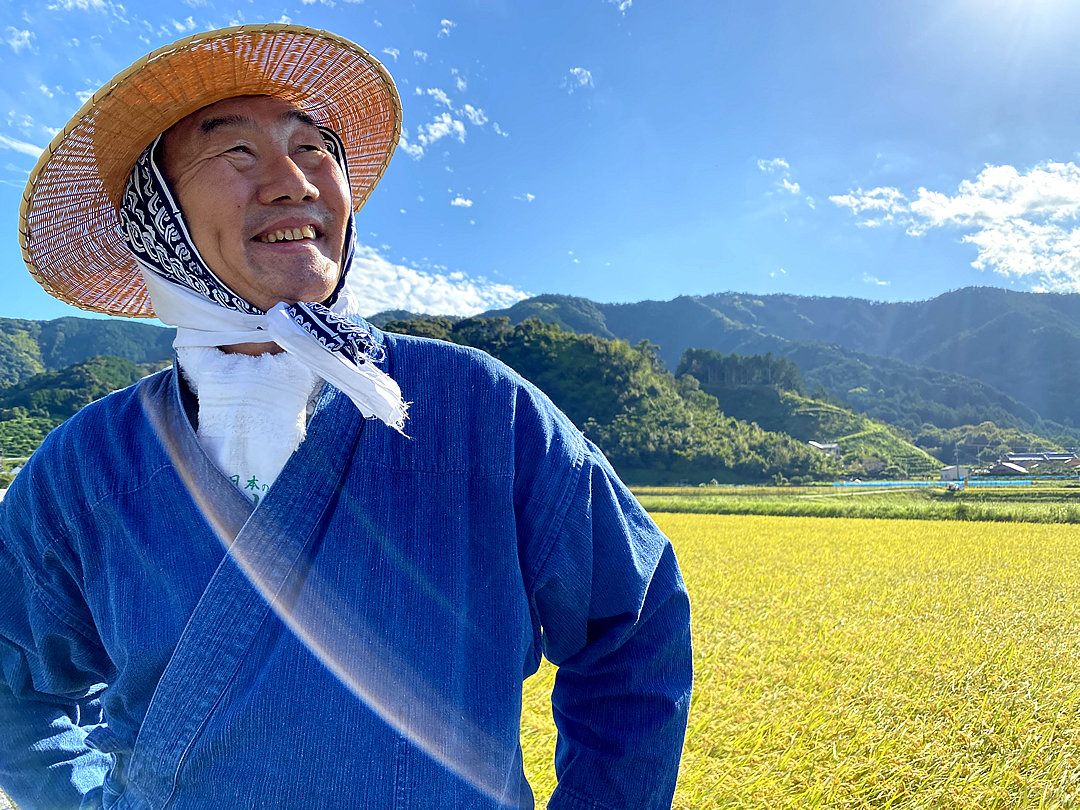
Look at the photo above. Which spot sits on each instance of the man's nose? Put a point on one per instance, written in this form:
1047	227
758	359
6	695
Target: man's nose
284	181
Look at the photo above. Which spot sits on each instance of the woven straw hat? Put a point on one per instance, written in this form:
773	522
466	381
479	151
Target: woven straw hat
68	225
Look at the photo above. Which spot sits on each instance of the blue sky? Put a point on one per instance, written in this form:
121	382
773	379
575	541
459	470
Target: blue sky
632	149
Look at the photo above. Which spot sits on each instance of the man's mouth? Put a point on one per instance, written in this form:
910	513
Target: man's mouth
289	234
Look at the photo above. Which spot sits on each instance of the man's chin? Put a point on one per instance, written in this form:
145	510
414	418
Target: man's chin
298	282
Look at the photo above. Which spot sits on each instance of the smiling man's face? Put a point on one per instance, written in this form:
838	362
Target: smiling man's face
265	202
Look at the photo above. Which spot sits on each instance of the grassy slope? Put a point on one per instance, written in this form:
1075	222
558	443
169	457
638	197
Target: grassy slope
860	437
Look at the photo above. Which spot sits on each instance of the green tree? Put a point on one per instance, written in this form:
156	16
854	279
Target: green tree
653	427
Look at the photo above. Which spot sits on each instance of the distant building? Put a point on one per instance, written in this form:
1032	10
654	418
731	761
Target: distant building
831	449
1007	468
955	473
1027	459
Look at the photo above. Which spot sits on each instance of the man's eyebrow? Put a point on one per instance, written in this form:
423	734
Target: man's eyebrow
301	116
208	125
243	121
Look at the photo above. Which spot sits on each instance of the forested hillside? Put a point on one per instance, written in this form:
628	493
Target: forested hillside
659	428
653	428
30	409
31	347
965	357
770	392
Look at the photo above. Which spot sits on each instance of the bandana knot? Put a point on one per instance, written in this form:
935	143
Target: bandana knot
333	332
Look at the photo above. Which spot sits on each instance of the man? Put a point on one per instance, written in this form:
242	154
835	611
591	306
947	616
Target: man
248	581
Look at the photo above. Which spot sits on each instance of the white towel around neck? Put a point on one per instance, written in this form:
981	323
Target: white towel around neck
253	411
201	323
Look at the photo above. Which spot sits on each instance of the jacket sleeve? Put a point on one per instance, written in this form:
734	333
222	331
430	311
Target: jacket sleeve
50	669
615	620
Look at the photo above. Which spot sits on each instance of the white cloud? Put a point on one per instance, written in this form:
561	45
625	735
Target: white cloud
869	279
45	91
445	123
526	197
576	78
1048	191
380	284
1023	224
31	129
445	27
459	81
413	150
185	26
461	202
17	118
877	206
18	39
1048	255
622	5
475	115
437	94
115	10
393	53
780	169
499	130
22	147
774	165
420	56
81	5
442	126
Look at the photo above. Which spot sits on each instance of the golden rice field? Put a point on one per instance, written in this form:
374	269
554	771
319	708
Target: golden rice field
849	663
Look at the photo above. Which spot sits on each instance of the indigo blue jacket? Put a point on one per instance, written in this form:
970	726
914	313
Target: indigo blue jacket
357	640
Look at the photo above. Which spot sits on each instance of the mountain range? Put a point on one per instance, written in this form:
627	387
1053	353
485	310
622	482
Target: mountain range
967	357
975	354
31	347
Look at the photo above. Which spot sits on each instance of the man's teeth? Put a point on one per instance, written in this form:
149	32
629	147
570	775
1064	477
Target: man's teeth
289	234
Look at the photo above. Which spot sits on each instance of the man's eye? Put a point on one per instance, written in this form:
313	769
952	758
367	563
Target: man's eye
311	147
239	148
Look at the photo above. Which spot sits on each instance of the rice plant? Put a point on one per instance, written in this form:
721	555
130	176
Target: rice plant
871	663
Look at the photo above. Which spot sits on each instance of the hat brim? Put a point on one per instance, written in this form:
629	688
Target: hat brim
68	224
